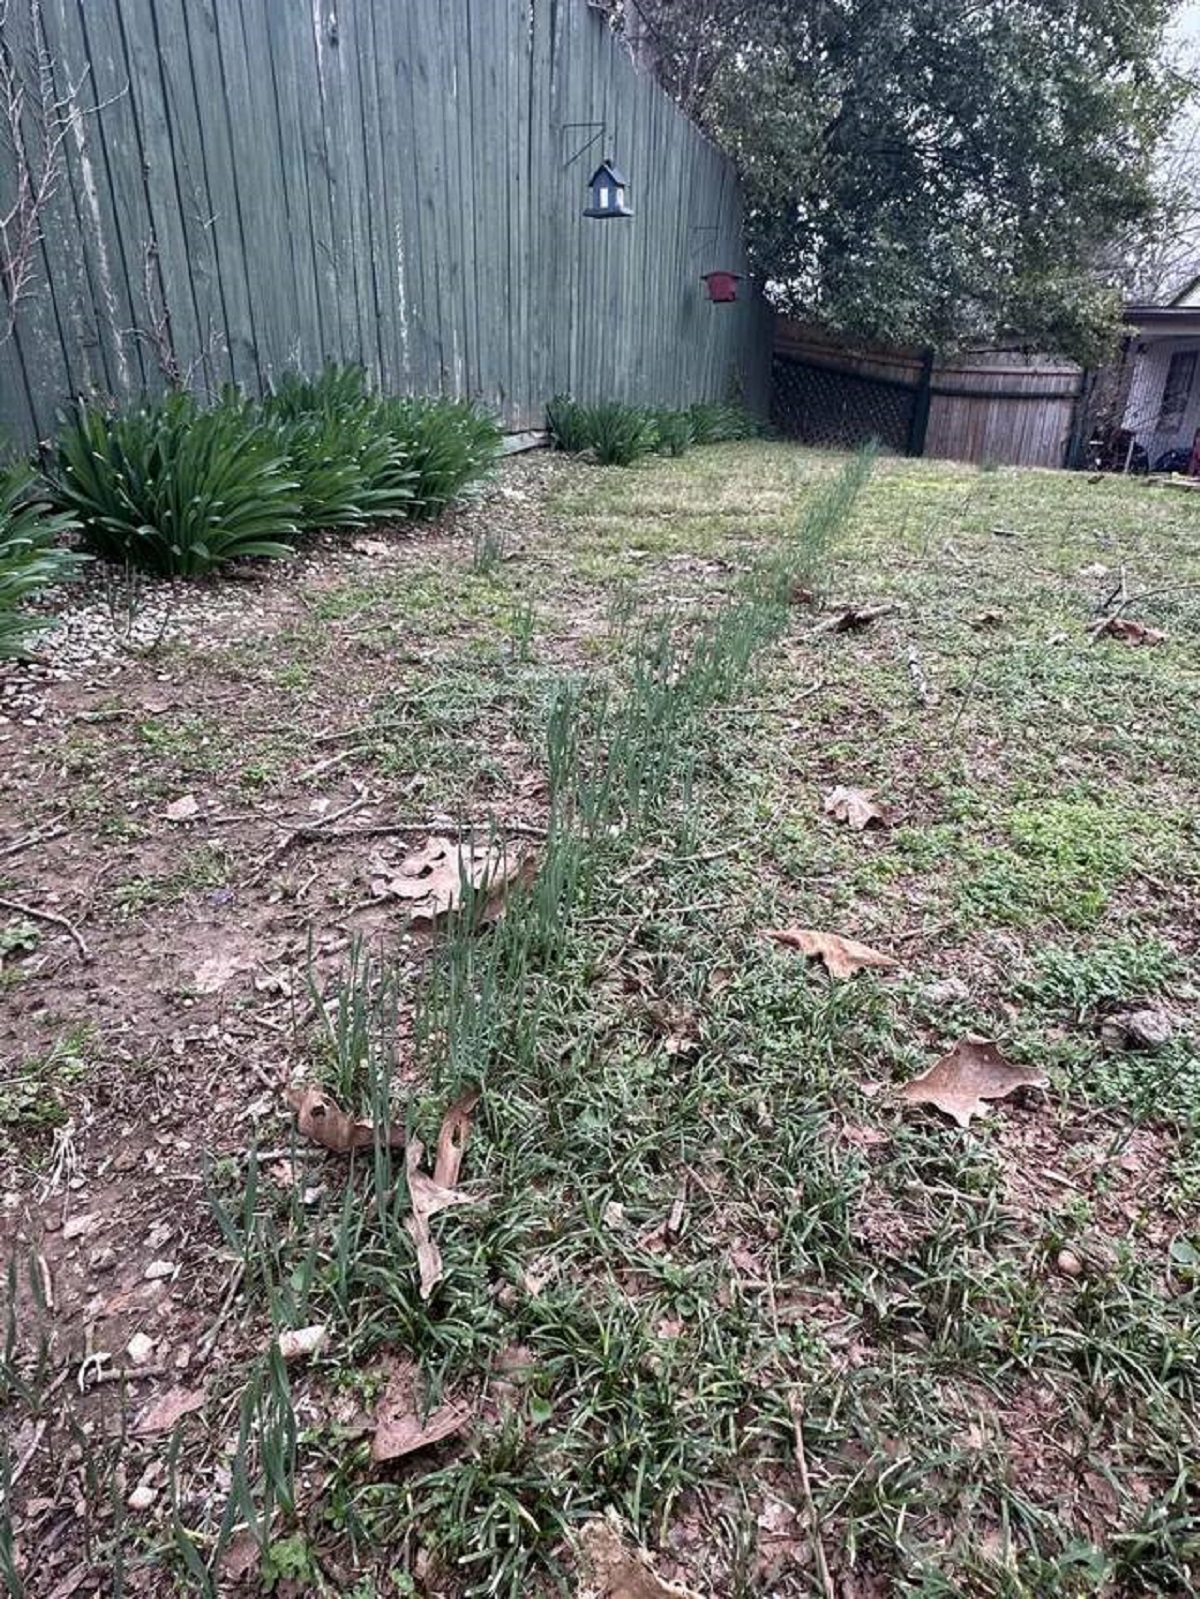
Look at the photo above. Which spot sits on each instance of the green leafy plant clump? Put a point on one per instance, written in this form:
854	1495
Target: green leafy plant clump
618	434
174	488
361	456
450	445
179	489
720	424
31	557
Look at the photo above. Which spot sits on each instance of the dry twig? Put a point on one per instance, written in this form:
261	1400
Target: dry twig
22	909
796	1407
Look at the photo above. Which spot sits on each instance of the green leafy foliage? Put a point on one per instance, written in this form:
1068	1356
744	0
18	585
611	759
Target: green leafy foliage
720	424
620	434
30	557
675	433
935	170
567	423
180	489
349	466
449	446
174	488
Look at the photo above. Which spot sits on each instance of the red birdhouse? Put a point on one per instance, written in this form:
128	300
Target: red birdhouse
722	286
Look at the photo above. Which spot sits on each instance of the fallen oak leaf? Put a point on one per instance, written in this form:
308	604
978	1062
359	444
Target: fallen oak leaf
857	807
842	956
399	1427
962	1082
318	1117
452	1139
161	1414
444	873
1128	631
427	1197
615	1571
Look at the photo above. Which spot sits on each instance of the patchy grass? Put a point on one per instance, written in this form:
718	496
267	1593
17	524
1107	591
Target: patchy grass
697	1200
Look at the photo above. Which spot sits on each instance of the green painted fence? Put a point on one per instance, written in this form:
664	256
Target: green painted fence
254	185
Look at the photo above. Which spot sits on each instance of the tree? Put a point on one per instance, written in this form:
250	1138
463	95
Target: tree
930	171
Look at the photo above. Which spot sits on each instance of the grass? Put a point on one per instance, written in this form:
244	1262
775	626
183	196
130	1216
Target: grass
694	1203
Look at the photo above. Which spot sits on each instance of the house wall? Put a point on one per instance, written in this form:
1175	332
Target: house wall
254	185
1150	367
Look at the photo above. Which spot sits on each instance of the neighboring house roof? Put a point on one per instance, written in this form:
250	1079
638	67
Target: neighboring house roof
1178	321
1189	294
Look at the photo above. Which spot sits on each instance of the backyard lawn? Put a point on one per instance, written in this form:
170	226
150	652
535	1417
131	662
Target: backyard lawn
701	1264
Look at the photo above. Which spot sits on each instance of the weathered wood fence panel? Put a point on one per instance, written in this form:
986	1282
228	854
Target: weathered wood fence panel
1006	406
250	186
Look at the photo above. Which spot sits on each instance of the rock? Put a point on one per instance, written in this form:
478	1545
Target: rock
139	1349
77	1226
1069	1263
1147	1029
159	1268
103	1259
950	991
142	1497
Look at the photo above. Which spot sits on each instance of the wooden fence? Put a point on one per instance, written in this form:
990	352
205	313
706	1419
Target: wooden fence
1005	406
250	186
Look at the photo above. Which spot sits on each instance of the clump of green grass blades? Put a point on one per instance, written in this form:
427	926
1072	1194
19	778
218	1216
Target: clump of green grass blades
614	1420
619	435
173	488
31	558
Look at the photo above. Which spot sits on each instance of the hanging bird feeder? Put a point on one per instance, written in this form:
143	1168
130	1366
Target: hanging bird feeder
607	188
722	286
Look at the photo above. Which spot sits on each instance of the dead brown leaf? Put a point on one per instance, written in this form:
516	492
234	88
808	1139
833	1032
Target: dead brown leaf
434	879
1129	631
987	619
319	1118
161	1414
428	1196
452	1140
400	1428
185	809
614	1571
857	807
842	956
962	1082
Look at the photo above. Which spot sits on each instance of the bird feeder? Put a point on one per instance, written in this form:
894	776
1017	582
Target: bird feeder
607	187
722	286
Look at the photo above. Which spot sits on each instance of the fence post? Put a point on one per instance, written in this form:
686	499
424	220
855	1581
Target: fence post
1077	441
919	425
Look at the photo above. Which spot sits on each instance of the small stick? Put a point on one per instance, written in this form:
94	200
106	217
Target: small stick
29	840
30	1451
22	909
330	762
1136	599
797	1409
428	824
